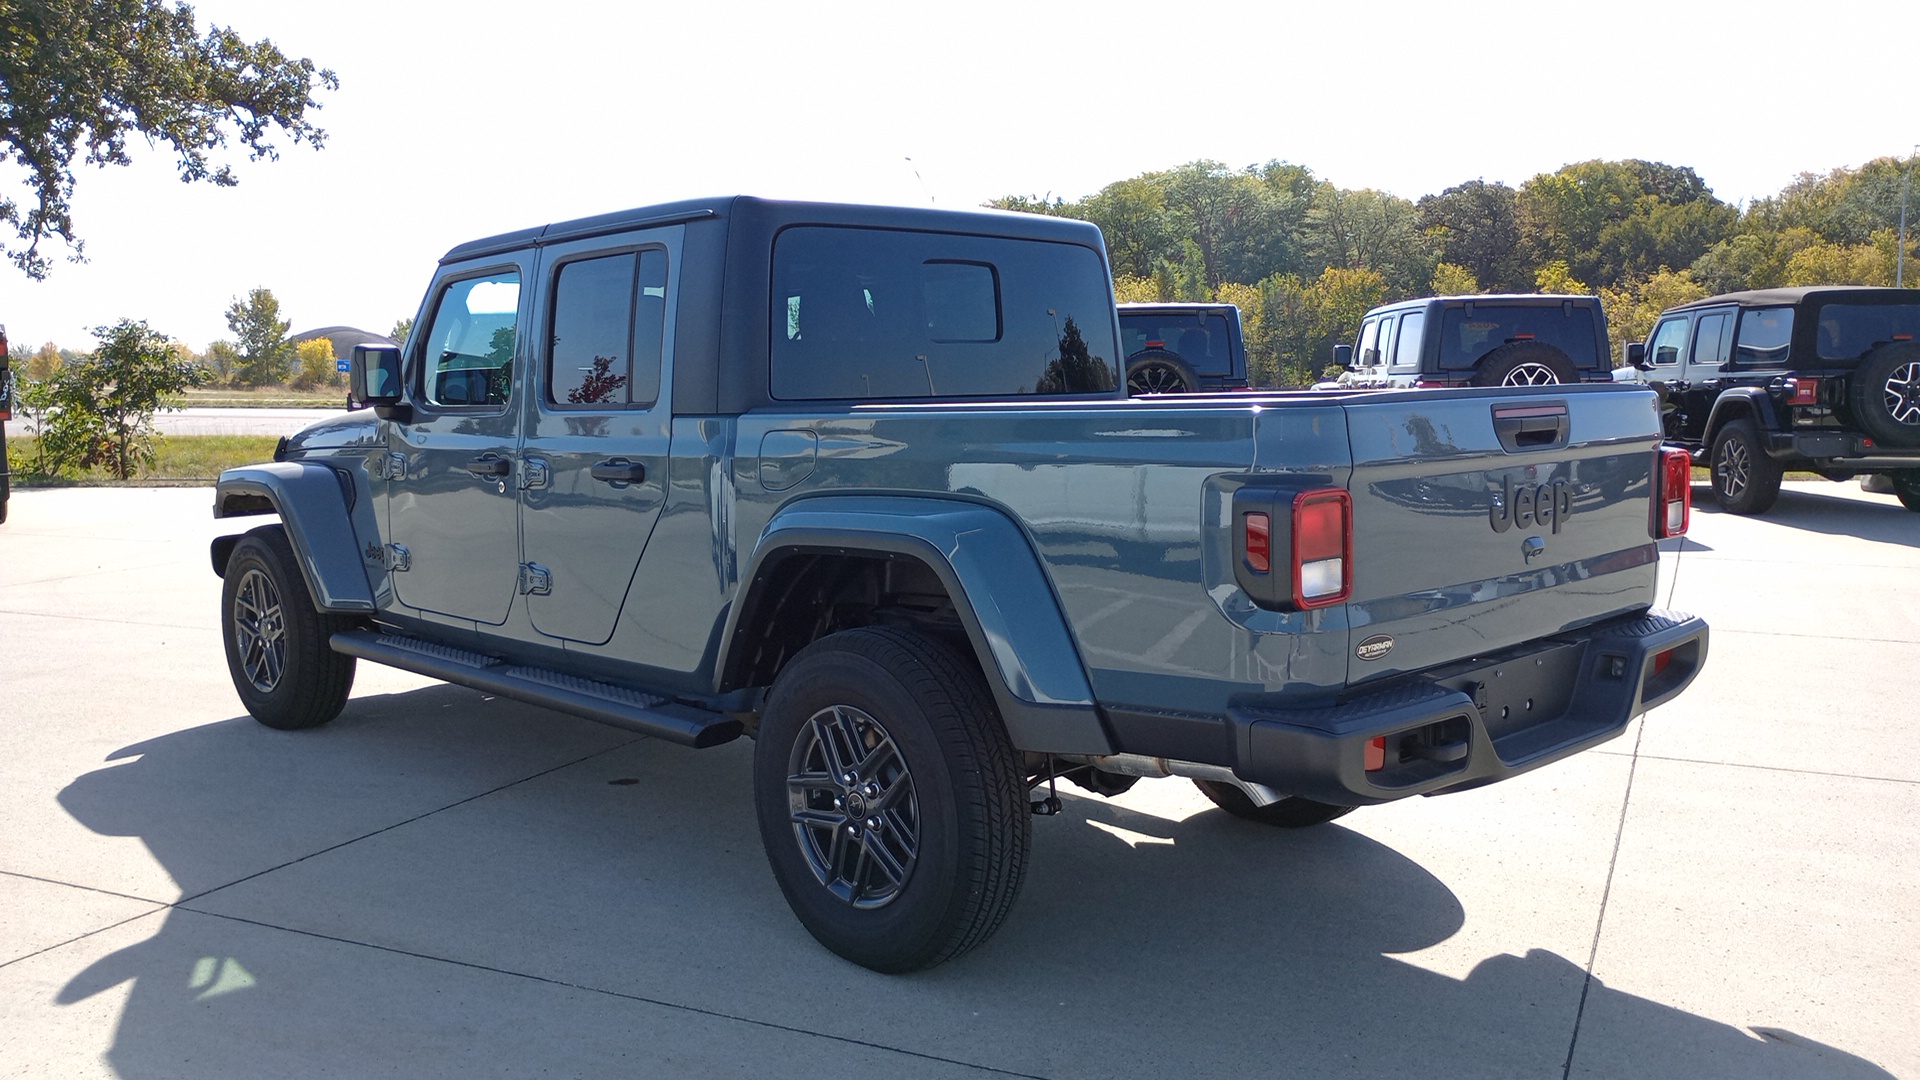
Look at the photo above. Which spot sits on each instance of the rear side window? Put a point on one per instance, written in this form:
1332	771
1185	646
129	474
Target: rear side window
1200	338
865	314
1467	334
1849	331
469	348
1763	336
1406	352
608	314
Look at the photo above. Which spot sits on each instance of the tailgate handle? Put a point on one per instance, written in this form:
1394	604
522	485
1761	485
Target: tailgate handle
1531	427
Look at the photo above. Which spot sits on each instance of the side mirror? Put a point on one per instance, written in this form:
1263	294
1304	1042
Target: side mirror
1637	354
1343	355
374	379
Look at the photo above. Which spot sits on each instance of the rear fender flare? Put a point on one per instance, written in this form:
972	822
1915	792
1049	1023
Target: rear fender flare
989	569
1750	402
311	500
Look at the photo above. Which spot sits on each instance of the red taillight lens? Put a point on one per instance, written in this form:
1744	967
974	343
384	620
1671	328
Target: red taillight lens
1322	548
1805	392
1259	553
1661	660
1673	510
1376	756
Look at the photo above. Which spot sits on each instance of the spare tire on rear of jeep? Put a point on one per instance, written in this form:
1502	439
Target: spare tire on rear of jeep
1157	371
1884	393
1524	363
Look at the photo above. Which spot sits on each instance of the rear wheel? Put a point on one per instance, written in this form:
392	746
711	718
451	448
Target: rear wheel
278	650
890	800
1525	363
1884	393
1292	812
1745	479
1906	487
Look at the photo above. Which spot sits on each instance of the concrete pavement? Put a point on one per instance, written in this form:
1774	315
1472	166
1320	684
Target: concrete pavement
445	884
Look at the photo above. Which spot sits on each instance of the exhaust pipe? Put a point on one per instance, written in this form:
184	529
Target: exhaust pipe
1141	765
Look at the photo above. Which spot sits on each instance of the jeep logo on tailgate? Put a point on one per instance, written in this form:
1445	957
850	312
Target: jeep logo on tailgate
1531	505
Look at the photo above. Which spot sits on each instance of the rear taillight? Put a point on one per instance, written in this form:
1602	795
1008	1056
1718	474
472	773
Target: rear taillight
1673	506
1322	547
1803	391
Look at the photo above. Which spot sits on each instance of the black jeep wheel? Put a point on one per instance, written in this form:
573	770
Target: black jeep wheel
891	802
1745	479
1884	393
277	641
1906	487
1156	371
1524	363
1292	812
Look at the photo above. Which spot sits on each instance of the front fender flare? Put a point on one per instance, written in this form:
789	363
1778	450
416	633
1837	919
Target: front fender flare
1003	597
312	503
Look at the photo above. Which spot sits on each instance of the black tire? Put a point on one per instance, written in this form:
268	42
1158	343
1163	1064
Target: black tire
1906	488
277	641
1156	371
891	802
1291	812
1524	363
1884	394
1745	479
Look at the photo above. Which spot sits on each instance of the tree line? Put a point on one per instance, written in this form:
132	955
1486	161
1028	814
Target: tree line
1304	259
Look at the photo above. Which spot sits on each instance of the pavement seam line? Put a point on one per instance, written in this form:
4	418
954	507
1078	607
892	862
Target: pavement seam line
1606	893
82	888
98	619
1635	753
640	998
409	821
157	909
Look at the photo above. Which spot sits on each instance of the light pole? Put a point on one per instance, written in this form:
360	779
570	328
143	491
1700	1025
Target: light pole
1900	257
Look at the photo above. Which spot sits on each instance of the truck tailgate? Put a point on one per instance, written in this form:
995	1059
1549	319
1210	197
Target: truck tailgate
1483	519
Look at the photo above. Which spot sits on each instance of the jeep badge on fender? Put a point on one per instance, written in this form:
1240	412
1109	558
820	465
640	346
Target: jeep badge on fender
1530	505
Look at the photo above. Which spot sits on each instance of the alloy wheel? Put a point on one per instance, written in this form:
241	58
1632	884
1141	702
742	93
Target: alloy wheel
852	804
260	629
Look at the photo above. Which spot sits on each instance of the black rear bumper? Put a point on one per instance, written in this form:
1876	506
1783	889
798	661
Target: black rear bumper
1476	722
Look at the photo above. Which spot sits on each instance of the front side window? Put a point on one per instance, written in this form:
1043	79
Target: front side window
469	349
605	345
1763	336
1369	350
866	314
1669	341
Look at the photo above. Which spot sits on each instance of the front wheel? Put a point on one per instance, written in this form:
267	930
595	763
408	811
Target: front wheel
891	803
1745	479
277	642
1292	812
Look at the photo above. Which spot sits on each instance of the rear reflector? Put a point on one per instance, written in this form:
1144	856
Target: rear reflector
1674	509
1259	543
1322	547
1376	753
1661	660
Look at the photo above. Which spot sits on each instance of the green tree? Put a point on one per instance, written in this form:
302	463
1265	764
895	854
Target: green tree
401	330
1634	305
1451	280
261	338
100	412
43	363
1556	278
221	361
1131	289
100	74
1476	226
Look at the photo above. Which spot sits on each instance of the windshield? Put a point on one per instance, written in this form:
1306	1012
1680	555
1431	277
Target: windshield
1466	334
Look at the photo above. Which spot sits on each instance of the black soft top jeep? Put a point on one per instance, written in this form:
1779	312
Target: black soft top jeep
1489	340
1824	379
1181	348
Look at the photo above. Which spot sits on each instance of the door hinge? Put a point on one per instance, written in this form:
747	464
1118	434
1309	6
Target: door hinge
391	466
399	559
533	473
535	580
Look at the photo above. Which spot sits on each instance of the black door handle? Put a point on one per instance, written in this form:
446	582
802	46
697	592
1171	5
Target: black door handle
620	471
489	466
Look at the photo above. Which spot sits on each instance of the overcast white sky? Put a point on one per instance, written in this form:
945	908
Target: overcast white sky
458	120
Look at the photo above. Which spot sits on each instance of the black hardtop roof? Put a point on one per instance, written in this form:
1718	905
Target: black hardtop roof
1529	299
1155	305
1859	294
779	213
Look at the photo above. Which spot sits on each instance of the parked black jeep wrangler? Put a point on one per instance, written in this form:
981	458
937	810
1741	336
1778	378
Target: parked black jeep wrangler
1182	348
1493	340
1822	379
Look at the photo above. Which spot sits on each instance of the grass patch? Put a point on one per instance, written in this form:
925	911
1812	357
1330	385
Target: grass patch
179	459
272	397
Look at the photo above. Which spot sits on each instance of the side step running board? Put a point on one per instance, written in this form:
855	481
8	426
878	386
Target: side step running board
618	706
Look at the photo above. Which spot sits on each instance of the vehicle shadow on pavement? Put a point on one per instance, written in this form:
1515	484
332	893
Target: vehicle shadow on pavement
445	884
1834	515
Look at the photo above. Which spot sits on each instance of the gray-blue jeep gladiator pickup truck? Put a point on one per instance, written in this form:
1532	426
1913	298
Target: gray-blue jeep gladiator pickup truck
864	484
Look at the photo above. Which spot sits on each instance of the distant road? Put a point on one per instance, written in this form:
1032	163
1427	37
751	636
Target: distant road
214	421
